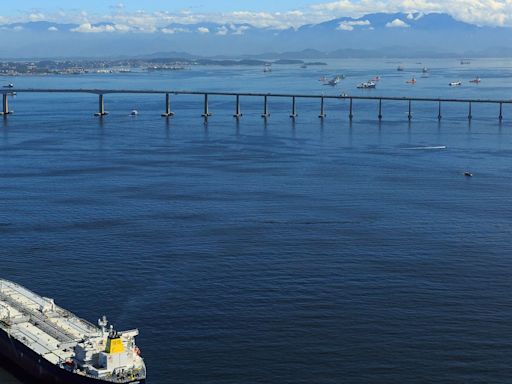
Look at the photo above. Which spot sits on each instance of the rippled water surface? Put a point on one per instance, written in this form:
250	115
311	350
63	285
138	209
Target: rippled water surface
278	251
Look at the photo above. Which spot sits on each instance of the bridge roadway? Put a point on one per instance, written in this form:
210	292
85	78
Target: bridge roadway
6	92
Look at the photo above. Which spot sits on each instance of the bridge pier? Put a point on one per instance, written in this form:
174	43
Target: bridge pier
350	114
322	108
470	114
265	113
5	105
167	112
206	112
409	114
101	106
294	114
238	113
380	109
439	116
500	117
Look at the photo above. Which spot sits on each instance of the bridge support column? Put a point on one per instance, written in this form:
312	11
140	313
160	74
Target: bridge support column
409	114
206	112
500	117
470	114
167	112
265	113
5	105
294	114
380	109
350	114
322	108
101	106
439	116
238	113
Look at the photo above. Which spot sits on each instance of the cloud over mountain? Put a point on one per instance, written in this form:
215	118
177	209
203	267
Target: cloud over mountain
412	31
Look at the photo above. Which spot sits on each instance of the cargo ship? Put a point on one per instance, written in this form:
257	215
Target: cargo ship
53	346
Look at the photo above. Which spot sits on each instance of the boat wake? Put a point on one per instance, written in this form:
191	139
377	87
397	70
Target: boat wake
429	148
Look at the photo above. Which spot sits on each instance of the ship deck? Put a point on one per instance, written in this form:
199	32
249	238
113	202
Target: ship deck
37	322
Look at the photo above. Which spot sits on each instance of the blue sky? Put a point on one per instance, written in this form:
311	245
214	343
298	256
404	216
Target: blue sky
281	14
13	7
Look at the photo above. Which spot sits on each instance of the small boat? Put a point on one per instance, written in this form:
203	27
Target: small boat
468	174
304	66
412	81
476	81
465	62
375	79
134	113
10	85
267	67
367	85
400	68
455	84
424	70
335	80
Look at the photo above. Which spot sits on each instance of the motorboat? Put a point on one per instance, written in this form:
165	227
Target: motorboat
10	85
134	113
455	84
468	174
375	79
476	80
412	81
367	85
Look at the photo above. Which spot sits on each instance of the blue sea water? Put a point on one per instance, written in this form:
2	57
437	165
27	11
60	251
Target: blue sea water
274	251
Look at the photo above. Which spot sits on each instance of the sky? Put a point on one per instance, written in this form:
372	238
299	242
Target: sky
13	7
149	15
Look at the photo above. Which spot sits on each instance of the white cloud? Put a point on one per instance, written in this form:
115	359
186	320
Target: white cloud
89	28
203	30
397	23
238	30
36	16
172	31
53	29
222	31
349	25
480	12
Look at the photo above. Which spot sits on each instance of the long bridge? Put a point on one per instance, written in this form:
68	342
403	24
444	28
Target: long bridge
10	91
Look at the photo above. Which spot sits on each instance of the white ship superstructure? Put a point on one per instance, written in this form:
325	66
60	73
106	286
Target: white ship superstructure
65	341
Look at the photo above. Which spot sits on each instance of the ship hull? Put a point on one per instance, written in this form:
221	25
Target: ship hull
28	364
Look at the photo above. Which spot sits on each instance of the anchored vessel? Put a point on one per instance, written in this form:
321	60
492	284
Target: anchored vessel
54	346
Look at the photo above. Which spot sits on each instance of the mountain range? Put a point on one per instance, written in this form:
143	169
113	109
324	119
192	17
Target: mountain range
372	35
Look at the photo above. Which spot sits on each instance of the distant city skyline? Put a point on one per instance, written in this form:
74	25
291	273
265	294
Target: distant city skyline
280	14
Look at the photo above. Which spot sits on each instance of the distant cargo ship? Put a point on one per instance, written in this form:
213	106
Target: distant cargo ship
54	346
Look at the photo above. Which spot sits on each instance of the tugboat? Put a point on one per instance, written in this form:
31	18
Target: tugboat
53	346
